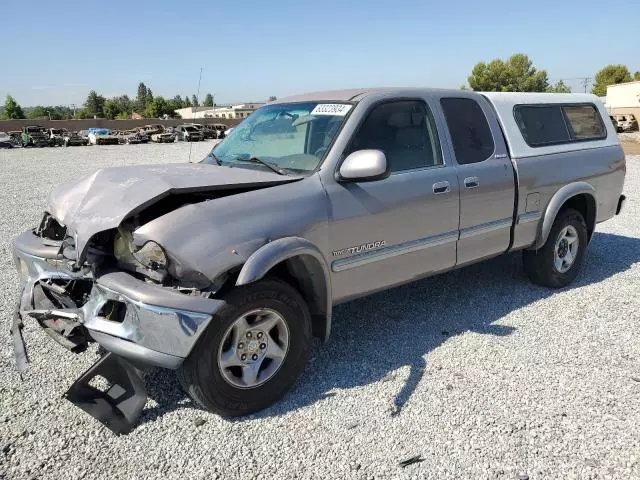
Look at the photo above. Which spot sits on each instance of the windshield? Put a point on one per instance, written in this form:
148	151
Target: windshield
289	136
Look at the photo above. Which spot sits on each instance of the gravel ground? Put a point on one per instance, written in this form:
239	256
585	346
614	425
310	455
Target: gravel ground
479	372
630	137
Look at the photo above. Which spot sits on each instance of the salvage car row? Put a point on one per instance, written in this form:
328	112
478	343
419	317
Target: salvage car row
38	136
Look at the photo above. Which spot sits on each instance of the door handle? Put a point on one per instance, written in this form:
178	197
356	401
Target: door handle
441	187
472	182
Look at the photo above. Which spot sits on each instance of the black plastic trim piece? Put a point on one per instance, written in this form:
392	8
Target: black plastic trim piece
120	404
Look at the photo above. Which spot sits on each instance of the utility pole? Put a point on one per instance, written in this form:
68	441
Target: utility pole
586	81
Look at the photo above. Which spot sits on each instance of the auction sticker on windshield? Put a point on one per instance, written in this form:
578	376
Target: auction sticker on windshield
335	109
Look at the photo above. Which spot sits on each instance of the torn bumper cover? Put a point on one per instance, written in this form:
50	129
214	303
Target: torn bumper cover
141	323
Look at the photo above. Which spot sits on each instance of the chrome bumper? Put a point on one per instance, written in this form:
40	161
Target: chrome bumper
158	327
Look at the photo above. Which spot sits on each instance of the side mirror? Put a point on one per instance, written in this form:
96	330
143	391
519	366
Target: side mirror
364	166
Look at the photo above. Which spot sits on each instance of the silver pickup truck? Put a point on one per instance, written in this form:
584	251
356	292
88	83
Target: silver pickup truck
224	270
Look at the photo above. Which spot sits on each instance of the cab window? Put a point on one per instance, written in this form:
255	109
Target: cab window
405	131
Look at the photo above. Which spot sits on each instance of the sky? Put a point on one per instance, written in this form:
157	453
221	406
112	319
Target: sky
250	50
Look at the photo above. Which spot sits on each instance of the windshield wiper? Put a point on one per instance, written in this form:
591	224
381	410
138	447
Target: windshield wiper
213	155
271	166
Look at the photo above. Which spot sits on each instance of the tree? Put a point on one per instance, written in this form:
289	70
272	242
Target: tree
12	110
559	87
177	102
516	74
111	109
39	112
636	76
194	100
208	101
273	98
141	97
149	97
95	104
610	75
186	102
160	107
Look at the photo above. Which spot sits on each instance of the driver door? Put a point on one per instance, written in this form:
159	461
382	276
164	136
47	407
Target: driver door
387	232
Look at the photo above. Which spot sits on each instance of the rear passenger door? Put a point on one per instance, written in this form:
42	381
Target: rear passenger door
485	177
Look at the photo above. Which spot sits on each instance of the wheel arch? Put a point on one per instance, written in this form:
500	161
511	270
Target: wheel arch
300	263
580	196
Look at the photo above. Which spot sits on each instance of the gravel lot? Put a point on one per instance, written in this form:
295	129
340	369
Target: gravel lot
479	372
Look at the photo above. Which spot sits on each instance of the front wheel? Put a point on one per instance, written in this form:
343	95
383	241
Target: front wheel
560	259
252	352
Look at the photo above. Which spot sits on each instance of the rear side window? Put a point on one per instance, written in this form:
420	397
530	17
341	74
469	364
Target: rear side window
470	132
585	122
543	125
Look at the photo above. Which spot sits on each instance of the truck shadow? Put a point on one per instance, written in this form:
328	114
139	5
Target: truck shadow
374	336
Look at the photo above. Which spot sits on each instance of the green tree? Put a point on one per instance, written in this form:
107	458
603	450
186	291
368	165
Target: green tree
208	101
636	76
273	98
177	102
610	75
149	97
517	74
12	110
559	87
186	102
95	104
60	112
141	98
194	101
111	109
159	107
39	112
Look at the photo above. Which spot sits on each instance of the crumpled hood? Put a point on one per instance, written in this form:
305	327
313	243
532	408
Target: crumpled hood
102	200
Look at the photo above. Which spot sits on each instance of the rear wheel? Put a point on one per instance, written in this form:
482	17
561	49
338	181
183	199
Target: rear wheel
560	259
252	351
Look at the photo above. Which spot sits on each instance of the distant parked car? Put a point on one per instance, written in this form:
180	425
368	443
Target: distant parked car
627	122
221	128
16	137
132	137
56	136
152	129
5	140
206	130
102	136
74	139
616	125
168	136
188	133
34	136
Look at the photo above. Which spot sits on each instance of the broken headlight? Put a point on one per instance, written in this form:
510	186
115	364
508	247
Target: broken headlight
150	256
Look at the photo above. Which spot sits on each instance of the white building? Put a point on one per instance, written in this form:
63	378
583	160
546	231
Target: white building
233	112
623	98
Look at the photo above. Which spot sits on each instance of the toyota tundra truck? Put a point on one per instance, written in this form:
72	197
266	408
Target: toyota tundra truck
224	270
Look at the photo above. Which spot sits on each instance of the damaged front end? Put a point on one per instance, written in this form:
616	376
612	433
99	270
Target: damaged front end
129	305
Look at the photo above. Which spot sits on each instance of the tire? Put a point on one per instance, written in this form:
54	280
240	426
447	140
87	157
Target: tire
205	380
541	266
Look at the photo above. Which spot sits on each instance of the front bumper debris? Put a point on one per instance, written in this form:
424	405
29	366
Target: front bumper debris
19	348
621	202
116	404
138	323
